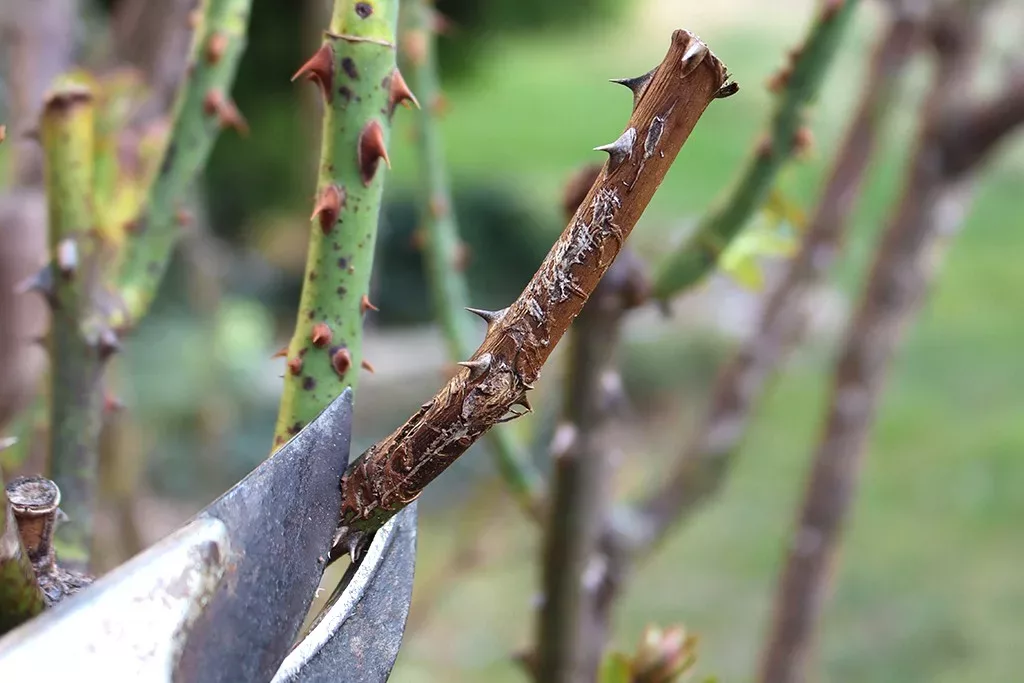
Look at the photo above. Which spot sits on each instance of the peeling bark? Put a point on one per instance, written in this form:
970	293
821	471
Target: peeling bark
393	472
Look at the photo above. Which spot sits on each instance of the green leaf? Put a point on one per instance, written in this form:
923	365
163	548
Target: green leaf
615	668
780	209
775	232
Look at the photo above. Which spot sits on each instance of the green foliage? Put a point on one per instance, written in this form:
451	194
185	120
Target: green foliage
615	669
775	232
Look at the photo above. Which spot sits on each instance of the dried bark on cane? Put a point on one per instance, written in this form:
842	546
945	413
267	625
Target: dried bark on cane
668	102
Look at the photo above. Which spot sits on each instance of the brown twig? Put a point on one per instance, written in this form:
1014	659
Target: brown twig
935	198
394	472
570	632
705	463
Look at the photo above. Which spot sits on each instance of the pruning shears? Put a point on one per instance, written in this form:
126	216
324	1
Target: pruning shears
225	596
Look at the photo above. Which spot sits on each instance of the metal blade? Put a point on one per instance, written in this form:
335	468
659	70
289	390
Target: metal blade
281	520
223	598
123	627
358	636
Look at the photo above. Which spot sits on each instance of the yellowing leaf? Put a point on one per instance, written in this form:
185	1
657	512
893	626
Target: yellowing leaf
774	233
780	209
615	669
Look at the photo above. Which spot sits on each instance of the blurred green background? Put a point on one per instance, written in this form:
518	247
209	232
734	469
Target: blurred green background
931	585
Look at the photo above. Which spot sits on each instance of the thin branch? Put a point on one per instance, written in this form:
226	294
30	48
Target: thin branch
355	71
394	472
97	246
571	634
797	85
935	198
969	137
202	109
705	464
448	288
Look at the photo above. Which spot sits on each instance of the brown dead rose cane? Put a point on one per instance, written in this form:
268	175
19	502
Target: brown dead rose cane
668	102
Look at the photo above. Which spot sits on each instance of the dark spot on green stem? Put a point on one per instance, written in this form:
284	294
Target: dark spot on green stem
341	291
308	383
346	94
168	163
62	102
364	9
295	428
348	65
343	263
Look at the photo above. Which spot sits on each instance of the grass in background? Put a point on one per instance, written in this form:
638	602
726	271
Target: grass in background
930	586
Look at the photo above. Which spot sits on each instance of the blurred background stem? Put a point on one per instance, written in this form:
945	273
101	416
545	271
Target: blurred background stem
704	465
797	85
443	248
955	133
